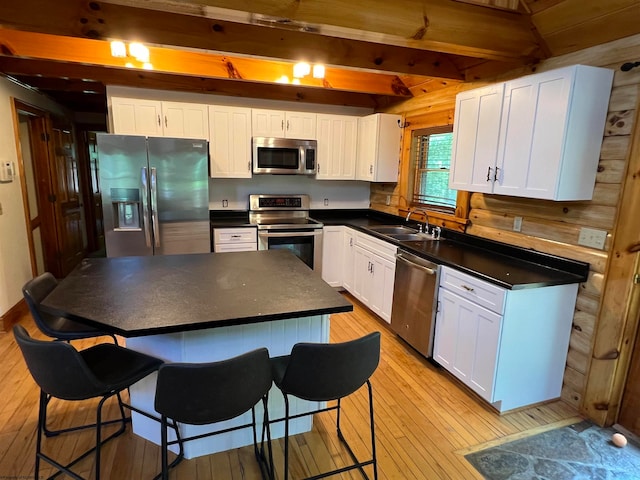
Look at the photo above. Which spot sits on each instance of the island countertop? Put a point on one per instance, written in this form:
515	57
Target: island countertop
134	296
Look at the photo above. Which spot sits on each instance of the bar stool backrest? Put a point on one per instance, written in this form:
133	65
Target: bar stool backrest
34	292
326	371
204	393
57	367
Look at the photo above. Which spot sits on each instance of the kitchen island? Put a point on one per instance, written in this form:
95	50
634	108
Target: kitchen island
201	308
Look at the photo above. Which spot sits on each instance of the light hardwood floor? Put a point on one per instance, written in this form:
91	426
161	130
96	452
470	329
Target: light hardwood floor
426	421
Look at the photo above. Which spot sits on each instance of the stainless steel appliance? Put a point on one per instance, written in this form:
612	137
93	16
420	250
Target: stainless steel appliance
284	156
155	195
283	222
415	301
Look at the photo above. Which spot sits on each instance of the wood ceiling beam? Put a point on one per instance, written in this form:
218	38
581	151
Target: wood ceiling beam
98	52
64	84
434	25
164	81
402	49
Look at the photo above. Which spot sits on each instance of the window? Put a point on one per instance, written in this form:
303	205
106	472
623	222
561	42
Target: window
431	153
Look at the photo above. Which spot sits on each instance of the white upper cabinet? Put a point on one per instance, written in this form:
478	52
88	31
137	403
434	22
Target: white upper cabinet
337	144
185	120
475	146
230	142
551	126
281	124
134	116
378	156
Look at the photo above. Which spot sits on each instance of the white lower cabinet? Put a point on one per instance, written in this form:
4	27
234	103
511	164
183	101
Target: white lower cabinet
374	274
363	265
348	258
242	239
508	346
332	253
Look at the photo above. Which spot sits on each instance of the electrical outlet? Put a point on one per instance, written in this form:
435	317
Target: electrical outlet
225	203
326	202
517	224
590	237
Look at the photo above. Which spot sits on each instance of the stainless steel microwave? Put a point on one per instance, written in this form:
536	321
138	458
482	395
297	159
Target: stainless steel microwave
284	156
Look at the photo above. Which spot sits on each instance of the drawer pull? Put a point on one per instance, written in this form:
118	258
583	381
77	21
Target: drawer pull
236	236
468	289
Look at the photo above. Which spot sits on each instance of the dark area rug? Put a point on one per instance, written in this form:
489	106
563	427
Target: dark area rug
582	451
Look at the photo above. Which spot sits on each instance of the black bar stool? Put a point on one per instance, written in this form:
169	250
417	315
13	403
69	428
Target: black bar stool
53	326
63	372
207	393
325	372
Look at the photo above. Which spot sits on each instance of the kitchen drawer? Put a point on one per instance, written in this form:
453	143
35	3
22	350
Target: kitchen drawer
235	247
474	289
235	235
377	246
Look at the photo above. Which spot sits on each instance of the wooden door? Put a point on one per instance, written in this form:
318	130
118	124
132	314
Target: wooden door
90	187
65	191
629	416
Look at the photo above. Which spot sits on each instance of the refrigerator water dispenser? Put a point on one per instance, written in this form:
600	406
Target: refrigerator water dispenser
126	209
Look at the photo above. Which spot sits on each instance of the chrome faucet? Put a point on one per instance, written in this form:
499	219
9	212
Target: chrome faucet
435	230
426	217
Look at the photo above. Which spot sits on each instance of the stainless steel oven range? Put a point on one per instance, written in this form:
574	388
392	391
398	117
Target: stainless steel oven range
283	222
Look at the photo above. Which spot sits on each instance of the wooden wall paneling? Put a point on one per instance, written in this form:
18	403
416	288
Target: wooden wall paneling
578	213
596	258
617	322
531	226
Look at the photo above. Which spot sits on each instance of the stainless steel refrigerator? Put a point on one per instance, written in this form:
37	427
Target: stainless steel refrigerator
155	195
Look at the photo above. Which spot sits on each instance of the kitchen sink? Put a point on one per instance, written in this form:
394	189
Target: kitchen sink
405	237
393	230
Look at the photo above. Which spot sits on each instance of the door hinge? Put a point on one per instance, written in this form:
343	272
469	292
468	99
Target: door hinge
636	279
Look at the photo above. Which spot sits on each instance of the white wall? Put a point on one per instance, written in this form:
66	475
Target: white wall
339	194
15	263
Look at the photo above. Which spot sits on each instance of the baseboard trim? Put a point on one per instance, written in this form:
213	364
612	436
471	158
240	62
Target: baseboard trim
13	315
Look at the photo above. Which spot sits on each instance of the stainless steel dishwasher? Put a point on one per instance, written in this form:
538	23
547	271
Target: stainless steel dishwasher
415	301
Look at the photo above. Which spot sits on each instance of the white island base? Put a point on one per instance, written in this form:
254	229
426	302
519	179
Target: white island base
216	344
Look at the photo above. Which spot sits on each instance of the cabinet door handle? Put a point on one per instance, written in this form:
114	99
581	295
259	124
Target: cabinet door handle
370	168
489	174
159	120
495	175
318	168
351	242
468	289
287	125
165	121
249	166
282	126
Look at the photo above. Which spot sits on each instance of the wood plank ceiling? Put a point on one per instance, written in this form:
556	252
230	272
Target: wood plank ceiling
376	52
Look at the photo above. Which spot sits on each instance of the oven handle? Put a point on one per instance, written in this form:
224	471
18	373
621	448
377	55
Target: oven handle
266	233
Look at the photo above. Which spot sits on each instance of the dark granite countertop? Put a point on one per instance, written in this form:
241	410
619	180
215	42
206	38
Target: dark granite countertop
505	265
134	296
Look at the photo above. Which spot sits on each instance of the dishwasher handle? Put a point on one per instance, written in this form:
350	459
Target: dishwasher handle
430	271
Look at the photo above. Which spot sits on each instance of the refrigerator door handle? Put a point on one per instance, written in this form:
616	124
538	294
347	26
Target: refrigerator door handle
154	206
144	179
